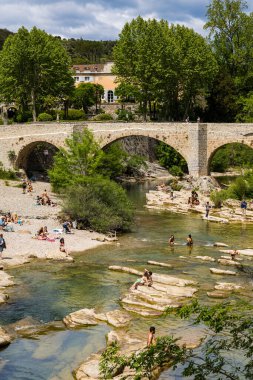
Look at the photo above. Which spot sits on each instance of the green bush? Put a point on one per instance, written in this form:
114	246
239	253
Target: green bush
73	114
7	174
1	121
45	117
169	157
103	117
238	189
100	204
125	115
176	171
217	197
23	117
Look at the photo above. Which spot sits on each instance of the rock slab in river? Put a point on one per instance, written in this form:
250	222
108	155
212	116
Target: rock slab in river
220	271
5	339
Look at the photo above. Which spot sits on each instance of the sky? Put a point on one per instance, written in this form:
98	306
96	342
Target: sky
98	19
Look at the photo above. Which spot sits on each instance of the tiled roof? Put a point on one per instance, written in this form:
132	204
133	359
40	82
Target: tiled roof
91	68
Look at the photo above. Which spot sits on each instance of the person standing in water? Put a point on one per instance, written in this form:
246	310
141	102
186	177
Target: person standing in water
189	241
151	336
172	240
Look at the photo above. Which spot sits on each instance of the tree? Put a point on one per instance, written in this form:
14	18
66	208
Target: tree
165	67
81	158
230	33
86	95
33	65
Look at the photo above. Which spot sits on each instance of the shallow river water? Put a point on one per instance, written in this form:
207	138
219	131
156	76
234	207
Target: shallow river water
48	291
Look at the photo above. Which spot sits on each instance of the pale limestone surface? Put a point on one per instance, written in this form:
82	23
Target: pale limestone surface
88	317
228	262
220	271
227	286
5	339
205	258
159	264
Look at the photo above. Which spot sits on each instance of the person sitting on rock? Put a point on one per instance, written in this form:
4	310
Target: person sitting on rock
233	254
62	246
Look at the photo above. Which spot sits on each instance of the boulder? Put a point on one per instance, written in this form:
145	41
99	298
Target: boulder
3	297
5	339
89	369
216	219
83	317
5	280
172	291
205	258
159	264
144	312
228	262
217	294
227	286
133	300
118	318
218	244
220	271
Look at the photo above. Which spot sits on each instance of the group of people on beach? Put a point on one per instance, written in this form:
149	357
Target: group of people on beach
44	200
194	198
8	220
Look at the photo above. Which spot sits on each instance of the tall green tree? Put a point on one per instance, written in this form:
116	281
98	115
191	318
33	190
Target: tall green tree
87	95
33	65
230	33
166	66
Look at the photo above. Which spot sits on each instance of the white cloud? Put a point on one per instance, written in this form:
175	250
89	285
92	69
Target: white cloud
100	19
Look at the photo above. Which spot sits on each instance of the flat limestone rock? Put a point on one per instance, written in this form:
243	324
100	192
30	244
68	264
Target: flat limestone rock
216	219
89	369
244	252
220	271
159	264
228	262
218	244
217	294
229	258
3	298
172	291
135	301
118	318
161	278
205	258
142	311
83	317
125	269
5	279
227	286
5	339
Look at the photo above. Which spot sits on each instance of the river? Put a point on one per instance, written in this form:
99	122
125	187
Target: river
48	291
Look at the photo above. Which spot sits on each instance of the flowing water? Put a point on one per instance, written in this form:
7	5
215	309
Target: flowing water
48	291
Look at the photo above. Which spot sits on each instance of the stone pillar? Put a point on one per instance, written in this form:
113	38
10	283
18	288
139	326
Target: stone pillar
197	159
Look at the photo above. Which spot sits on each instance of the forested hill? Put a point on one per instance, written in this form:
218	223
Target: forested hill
4	33
86	51
81	51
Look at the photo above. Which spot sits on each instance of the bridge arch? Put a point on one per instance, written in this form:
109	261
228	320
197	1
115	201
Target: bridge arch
36	157
111	140
244	143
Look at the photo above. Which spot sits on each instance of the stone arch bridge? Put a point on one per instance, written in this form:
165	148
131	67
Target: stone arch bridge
196	142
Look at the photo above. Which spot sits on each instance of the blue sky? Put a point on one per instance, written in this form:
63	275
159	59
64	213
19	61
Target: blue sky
98	19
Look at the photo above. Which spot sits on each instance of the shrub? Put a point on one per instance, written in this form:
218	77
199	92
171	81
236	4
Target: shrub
176	171
100	204
125	115
217	197
1	121
73	114
238	189
7	174
23	117
45	117
103	117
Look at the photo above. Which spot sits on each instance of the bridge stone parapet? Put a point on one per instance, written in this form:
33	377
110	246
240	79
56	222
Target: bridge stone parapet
196	142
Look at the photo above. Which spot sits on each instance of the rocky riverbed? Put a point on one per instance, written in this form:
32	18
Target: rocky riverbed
177	201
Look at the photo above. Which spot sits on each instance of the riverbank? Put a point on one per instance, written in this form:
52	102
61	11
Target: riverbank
178	202
22	246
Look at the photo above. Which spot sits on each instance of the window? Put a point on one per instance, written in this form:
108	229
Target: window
87	79
110	96
76	79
